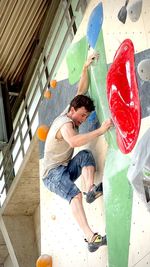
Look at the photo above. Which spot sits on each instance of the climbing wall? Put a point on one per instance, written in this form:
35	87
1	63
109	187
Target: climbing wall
60	235
139	33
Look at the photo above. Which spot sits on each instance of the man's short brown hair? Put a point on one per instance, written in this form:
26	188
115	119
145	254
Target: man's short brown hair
82	101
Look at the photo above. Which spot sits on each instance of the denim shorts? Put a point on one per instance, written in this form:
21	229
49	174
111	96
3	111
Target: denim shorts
61	180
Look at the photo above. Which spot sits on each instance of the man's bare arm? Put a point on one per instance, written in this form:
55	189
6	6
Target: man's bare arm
84	80
77	140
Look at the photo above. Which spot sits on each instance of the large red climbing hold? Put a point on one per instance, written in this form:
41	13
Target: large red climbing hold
123	97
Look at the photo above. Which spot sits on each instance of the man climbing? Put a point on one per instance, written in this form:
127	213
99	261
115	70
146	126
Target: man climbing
61	170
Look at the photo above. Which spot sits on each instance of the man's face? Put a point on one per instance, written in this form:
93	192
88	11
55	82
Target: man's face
80	115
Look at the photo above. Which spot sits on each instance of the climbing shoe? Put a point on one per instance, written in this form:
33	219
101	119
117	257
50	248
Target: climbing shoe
93	194
96	242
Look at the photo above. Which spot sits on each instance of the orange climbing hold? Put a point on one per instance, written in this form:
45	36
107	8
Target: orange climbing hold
44	261
53	83
47	94
42	132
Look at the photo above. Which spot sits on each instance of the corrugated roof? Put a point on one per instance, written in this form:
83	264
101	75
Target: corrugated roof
20	22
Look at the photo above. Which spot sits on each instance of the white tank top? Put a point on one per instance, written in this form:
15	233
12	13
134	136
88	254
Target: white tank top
57	152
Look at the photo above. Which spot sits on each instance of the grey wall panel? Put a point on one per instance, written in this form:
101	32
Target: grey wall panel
144	87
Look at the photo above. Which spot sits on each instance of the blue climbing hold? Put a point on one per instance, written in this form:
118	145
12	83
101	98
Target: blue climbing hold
94	25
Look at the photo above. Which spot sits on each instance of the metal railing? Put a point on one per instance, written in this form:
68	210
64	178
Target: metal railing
15	149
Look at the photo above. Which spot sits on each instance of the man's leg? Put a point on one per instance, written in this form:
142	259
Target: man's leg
79	214
68	190
87	175
94	240
84	164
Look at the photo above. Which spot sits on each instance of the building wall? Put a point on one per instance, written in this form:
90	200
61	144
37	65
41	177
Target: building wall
8	262
37	227
60	236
